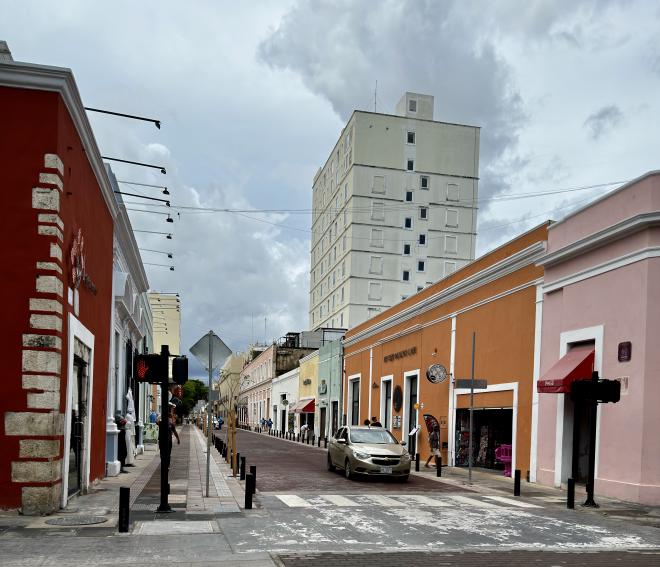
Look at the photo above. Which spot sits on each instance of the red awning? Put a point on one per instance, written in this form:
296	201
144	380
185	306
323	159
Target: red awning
305	405
576	364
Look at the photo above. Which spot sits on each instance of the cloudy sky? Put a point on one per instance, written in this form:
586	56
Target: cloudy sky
253	95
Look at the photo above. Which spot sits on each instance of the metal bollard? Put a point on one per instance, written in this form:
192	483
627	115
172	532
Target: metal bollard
249	483
319	441
124	510
242	467
516	483
438	465
570	495
416	462
253	472
325	442
308	436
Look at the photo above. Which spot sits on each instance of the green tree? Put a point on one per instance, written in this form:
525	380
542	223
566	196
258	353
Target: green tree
193	391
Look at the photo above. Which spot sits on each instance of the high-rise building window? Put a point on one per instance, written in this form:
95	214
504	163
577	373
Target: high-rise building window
412	105
410	137
376	265
406	249
421	265
375	290
379	184
410	165
341	319
409	196
422	240
406	275
424	213
452	192
450	268
420	288
377	237
452	218
451	244
407	223
377	211
424	182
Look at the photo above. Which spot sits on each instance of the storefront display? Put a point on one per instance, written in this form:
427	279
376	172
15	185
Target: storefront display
491	429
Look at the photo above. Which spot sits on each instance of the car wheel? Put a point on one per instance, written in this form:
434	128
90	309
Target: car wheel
348	473
331	467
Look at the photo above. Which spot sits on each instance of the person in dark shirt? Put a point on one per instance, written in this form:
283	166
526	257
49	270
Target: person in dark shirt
375	422
434	444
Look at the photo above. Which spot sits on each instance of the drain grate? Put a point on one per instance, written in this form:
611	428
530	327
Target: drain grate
76	521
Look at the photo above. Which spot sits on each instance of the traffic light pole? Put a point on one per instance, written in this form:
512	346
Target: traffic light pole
591	475
164	433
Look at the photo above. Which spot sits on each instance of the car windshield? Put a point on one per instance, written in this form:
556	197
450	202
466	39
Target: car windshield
376	436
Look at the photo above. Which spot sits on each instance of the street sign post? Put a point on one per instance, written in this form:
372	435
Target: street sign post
212	352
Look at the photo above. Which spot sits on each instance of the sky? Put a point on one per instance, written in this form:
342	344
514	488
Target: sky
253	95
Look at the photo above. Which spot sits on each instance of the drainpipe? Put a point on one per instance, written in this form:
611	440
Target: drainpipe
371	365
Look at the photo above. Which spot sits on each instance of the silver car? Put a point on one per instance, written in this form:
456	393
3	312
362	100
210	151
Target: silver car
368	451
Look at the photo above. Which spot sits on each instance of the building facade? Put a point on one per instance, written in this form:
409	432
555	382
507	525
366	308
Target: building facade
285	397
404	366
394	210
307	391
228	385
600	297
328	408
57	268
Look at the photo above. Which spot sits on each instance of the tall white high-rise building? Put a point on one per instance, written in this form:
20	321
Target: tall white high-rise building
394	209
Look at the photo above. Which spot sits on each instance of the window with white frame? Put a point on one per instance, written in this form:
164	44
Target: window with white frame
376	237
341	319
342	294
375	290
410	137
409	196
421	265
451	244
406	249
451	217
377	211
408	223
424	213
410	165
412	105
450	268
379	184
452	192
424	182
376	265
422	239
406	275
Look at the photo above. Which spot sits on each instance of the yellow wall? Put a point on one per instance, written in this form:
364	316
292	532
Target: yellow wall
309	369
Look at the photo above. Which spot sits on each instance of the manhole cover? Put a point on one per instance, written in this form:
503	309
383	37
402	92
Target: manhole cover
77	521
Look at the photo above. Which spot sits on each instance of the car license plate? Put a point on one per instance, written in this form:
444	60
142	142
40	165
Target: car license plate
386	470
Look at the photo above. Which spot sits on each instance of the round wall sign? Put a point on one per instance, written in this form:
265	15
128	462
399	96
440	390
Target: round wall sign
436	374
397	399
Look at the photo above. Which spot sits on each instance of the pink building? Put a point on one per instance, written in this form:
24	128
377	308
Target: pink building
601	294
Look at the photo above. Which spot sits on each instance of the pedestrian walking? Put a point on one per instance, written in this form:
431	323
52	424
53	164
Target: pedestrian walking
270	424
434	444
165	460
375	422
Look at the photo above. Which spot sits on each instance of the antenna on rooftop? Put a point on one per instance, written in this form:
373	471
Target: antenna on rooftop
375	96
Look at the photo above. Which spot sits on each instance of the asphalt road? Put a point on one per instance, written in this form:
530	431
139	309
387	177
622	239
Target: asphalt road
286	466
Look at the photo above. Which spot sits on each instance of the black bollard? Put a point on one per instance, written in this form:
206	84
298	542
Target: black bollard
298	437
253	472
570	495
224	451
242	467
249	483
124	510
308	436
438	465
319	441
416	462
516	483
325	442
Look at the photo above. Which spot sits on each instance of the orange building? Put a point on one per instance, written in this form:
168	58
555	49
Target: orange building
403	365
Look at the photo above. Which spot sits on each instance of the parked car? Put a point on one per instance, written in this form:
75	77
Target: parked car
369	451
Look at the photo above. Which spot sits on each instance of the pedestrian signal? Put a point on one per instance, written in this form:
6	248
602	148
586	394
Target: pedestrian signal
149	368
180	369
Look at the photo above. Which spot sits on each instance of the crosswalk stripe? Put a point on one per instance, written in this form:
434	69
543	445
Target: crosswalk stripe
339	500
293	501
473	502
386	501
426	501
512	502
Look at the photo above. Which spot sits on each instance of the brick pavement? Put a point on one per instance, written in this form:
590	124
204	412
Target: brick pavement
471	559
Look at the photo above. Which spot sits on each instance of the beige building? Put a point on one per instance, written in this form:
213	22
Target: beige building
166	310
228	384
307	386
394	210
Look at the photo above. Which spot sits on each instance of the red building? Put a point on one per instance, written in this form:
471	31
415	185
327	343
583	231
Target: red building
56	259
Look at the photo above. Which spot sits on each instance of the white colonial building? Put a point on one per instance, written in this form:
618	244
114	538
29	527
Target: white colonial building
394	210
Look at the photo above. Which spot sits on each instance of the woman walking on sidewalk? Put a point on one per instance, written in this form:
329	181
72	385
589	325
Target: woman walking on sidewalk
434	444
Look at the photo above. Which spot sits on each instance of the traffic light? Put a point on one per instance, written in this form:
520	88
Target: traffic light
609	391
149	368
602	391
180	369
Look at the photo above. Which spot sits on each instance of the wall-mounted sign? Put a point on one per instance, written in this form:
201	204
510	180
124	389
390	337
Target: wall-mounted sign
396	422
401	354
397	399
625	351
323	387
307	381
436	374
77	258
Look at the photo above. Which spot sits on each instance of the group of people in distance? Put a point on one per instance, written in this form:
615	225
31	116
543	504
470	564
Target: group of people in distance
373	422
